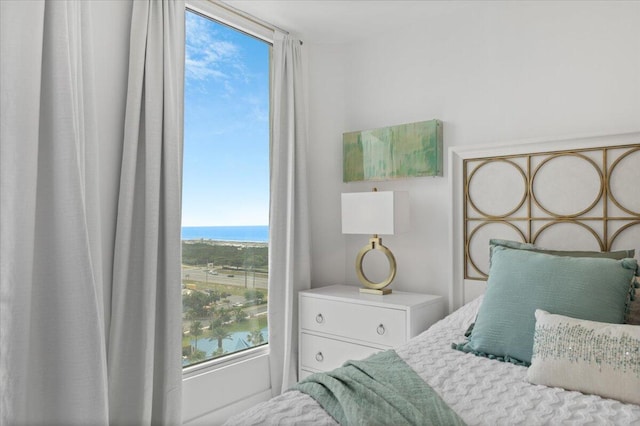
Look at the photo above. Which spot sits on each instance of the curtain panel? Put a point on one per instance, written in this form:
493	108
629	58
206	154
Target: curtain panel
289	248
90	320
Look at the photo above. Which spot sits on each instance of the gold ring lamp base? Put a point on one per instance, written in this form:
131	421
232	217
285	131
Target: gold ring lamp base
375	243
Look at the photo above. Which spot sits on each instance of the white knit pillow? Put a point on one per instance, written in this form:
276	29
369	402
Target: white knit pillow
587	356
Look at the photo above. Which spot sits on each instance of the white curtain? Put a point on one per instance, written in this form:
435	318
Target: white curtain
90	325
289	259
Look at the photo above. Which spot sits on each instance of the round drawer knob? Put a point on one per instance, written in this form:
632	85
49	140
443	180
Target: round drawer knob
381	330
319	357
319	319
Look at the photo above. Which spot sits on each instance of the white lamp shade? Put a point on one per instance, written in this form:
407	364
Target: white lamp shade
382	213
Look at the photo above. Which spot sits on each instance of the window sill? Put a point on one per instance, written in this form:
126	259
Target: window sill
224	362
210	388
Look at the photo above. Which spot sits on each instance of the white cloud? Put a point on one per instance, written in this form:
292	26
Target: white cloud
258	109
207	56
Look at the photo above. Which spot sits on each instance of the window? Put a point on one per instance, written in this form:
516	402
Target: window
225	206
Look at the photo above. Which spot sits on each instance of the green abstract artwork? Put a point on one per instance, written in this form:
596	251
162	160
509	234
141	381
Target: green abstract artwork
406	150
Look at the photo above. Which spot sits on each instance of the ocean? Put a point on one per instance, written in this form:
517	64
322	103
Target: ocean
258	234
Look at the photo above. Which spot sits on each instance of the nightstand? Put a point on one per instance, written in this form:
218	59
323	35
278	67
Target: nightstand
338	323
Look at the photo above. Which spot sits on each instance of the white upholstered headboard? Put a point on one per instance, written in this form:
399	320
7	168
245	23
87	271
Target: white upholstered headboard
571	194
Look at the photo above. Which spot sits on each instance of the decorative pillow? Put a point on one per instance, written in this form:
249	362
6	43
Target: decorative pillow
633	314
521	281
619	254
586	356
633	303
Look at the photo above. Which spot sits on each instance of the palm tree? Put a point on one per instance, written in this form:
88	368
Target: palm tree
196	356
239	314
255	337
224	314
196	330
219	333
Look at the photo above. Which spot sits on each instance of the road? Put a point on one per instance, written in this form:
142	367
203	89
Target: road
238	278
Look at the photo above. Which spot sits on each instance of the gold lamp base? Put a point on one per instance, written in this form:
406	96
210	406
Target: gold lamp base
370	287
374	291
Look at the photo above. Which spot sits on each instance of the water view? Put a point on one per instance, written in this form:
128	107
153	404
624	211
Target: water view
258	233
224	297
237	341
225	182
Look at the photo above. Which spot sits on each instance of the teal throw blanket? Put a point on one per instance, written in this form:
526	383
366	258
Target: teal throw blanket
380	390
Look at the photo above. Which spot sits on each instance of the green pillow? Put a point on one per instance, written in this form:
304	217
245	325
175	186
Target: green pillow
633	302
619	254
521	281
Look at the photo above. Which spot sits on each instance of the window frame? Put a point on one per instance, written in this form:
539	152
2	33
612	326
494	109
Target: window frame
252	28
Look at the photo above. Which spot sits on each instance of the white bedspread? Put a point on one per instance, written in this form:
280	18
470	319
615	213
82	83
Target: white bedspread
481	391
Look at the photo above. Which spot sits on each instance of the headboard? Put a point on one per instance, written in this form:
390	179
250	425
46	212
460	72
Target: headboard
572	194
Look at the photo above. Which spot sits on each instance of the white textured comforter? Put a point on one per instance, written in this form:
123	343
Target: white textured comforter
481	391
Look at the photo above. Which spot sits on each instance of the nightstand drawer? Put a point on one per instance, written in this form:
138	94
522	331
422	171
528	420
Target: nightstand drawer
338	323
383	326
325	354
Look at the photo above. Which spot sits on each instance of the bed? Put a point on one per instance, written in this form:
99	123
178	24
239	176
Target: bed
575	197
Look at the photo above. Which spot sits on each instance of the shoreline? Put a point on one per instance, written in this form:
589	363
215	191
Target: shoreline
231	243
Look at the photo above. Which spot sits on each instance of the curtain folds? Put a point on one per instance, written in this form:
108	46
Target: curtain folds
289	248
144	354
84	341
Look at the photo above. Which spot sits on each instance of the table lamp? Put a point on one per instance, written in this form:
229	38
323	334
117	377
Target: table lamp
375	213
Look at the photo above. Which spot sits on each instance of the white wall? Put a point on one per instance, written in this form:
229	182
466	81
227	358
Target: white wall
327	121
492	72
497	72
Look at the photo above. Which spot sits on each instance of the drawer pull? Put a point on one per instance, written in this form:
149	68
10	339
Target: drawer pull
319	319
319	357
381	330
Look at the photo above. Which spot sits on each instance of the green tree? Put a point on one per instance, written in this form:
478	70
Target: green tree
214	296
191	315
239	314
196	356
236	263
202	253
222	315
255	337
196	330
196	301
218	352
256	296
219	333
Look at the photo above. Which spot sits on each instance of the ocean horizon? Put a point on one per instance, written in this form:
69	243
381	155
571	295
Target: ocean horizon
256	234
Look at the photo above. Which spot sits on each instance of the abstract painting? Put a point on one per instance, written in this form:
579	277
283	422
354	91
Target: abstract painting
406	150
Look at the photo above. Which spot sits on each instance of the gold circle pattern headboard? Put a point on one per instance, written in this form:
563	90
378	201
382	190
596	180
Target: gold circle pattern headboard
582	199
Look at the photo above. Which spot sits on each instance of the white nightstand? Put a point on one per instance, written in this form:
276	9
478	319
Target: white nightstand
338	323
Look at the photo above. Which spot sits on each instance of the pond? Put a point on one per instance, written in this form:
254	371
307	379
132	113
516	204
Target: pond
237	342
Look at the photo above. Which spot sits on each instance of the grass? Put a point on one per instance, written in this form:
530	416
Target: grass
233	290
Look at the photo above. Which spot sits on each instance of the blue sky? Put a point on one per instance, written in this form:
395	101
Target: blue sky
226	126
